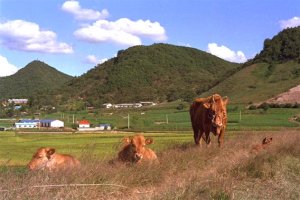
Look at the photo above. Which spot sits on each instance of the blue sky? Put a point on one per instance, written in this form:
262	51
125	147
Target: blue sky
73	36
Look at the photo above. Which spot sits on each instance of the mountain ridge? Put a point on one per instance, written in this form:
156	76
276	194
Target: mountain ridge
34	77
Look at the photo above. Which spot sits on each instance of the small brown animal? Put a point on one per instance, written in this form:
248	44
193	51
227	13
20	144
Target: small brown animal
47	158
134	150
266	141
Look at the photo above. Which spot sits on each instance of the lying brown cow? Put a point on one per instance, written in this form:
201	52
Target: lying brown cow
263	145
134	150
47	158
209	115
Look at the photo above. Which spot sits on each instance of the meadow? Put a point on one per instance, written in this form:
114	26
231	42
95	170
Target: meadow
184	172
169	118
174	127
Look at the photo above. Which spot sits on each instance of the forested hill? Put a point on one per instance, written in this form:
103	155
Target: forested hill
35	76
283	47
160	72
275	70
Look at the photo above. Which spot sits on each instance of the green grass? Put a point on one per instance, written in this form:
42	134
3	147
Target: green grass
252	84
171	119
17	149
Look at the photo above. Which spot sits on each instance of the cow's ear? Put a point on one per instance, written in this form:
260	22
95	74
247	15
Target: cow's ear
149	141
264	140
126	140
225	100
50	152
207	105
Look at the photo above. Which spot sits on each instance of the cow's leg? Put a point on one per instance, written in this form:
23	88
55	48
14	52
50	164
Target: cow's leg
221	137
207	138
197	136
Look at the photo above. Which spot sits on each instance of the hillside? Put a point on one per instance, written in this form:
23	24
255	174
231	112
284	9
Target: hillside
291	96
159	72
35	76
275	70
254	84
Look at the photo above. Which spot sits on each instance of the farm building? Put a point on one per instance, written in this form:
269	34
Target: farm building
105	127
128	105
84	124
27	123
51	123
18	101
107	105
148	103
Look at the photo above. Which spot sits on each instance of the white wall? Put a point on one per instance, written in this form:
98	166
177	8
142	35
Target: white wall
57	124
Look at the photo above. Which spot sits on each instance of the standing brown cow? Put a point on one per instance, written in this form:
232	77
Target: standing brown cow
209	115
134	150
47	158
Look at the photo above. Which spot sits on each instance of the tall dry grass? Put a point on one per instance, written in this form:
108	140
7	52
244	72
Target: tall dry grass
184	172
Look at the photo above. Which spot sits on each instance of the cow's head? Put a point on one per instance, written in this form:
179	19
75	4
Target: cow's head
136	146
216	112
267	141
41	158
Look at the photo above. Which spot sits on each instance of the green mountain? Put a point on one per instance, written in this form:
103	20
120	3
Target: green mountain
160	72
274	70
283	47
35	76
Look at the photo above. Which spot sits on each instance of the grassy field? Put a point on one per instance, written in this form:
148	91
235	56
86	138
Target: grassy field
184	171
169	118
18	149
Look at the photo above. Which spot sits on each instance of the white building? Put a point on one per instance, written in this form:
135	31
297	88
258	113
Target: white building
105	127
128	105
27	123
18	101
107	105
57	124
84	124
51	123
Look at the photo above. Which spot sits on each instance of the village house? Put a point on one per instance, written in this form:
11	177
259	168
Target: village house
18	101
51	123
105	127
27	123
84	124
43	123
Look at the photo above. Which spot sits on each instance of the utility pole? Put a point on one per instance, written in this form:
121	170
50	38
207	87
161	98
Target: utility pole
73	119
167	119
240	119
128	122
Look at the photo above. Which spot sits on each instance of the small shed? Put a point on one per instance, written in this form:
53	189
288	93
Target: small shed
105	127
84	124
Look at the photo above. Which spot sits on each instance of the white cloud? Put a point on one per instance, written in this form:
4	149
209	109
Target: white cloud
74	8
226	53
92	59
123	31
290	23
6	69
27	36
